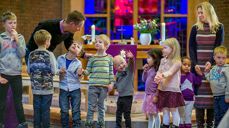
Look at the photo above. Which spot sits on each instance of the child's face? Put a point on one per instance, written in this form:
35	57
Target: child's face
10	25
220	59
120	64
75	48
166	50
99	44
186	66
47	43
150	60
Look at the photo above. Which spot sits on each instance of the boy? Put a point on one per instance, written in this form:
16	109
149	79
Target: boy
61	30
101	79
41	68
69	67
125	88
12	51
218	77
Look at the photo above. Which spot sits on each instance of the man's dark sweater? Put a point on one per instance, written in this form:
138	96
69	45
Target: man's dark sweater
53	27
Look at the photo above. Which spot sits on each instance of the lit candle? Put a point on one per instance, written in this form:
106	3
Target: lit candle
162	31
93	33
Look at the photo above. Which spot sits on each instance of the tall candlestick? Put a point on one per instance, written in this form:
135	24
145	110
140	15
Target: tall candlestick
93	33
162	31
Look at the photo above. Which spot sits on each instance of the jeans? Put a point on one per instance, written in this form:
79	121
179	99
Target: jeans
65	98
124	106
220	108
16	85
96	97
41	106
200	113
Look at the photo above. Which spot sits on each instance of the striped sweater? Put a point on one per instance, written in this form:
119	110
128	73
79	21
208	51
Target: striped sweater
100	70
201	46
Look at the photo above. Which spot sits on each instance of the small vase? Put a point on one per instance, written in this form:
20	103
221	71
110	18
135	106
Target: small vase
145	38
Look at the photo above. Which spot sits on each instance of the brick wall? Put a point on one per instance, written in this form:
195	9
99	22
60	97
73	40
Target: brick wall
30	12
221	8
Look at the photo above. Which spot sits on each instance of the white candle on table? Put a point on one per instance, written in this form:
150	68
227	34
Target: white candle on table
162	31
93	33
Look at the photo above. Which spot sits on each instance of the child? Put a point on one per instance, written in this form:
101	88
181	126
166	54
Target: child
125	87
218	77
188	81
151	92
101	79
12	51
168	78
69	66
41	68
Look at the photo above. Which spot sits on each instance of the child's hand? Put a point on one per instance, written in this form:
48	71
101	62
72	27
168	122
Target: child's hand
80	71
62	73
129	54
145	67
14	35
3	80
158	78
110	87
227	100
198	70
155	99
207	67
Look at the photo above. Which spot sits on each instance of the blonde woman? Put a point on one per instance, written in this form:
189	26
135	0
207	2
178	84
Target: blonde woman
206	34
168	78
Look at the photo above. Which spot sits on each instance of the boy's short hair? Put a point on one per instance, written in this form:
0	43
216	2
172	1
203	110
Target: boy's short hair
76	17
104	38
220	49
117	59
8	15
41	36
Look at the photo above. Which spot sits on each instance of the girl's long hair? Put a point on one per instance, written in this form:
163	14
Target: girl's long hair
156	54
209	13
175	46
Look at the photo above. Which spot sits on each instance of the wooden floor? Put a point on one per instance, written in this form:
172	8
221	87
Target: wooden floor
138	118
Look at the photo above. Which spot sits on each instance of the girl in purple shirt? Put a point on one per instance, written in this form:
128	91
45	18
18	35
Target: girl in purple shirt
188	82
151	92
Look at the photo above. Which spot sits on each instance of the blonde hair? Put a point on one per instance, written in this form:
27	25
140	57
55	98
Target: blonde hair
175	46
220	49
105	39
117	59
8	15
41	36
210	14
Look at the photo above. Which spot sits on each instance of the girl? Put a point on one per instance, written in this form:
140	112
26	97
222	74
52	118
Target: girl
188	81
151	92
168	78
206	34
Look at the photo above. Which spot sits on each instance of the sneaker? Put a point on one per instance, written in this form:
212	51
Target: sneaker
22	125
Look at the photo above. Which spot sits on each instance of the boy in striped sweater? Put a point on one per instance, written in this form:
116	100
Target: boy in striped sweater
101	79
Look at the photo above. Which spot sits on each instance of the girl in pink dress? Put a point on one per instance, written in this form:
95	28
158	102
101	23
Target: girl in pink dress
168	78
151	92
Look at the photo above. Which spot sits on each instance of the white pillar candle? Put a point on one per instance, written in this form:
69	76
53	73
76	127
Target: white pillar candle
162	31
93	33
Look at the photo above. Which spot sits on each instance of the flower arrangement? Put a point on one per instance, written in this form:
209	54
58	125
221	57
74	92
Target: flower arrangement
147	26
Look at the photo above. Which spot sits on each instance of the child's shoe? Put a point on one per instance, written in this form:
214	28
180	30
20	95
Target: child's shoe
22	125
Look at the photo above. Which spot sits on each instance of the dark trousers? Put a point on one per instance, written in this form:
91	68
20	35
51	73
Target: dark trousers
124	106
220	108
41	106
15	82
200	113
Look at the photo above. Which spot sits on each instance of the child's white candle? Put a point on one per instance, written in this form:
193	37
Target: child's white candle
162	31
93	33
